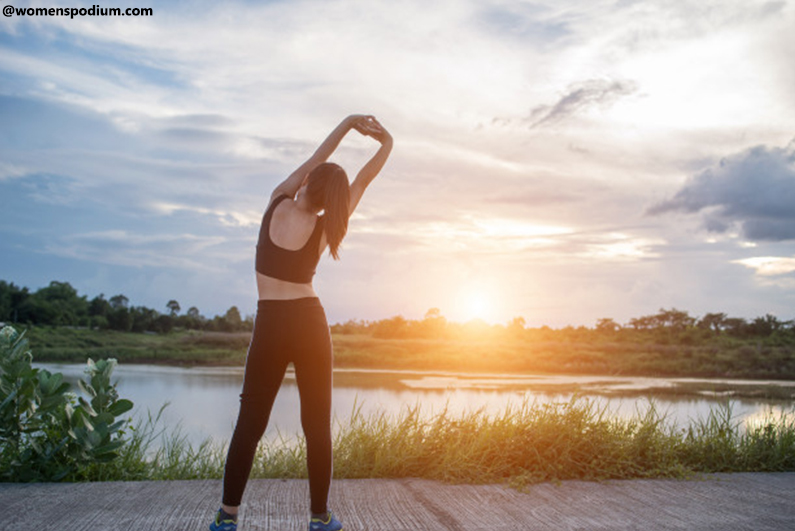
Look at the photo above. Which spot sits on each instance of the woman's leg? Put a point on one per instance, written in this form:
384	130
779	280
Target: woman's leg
265	368
313	364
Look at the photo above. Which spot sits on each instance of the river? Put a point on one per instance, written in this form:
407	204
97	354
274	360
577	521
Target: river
203	401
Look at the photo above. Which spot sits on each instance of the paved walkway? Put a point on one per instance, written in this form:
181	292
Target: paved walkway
757	502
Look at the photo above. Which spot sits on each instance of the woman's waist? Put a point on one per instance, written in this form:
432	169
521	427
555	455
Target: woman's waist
270	288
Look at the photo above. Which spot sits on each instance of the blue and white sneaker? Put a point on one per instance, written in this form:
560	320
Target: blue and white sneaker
330	524
223	525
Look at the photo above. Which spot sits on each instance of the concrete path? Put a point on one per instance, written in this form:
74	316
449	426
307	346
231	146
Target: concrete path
757	502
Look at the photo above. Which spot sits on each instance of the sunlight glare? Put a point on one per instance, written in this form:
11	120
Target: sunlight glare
475	302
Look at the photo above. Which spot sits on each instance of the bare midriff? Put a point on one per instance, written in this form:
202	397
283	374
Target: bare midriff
270	288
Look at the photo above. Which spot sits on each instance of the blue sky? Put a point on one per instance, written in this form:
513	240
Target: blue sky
559	161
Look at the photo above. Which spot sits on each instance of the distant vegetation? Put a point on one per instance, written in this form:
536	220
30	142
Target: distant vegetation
666	327
59	305
668	343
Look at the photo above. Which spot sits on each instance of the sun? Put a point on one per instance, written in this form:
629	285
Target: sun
475	302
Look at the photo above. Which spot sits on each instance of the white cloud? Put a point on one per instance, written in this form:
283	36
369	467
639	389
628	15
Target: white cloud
769	265
10	171
186	252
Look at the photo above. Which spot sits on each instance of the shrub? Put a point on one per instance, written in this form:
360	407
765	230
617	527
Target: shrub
47	432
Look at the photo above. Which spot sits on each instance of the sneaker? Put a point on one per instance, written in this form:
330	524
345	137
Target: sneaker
222	525
331	524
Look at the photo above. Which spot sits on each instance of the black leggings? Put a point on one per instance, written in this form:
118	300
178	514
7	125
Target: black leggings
285	331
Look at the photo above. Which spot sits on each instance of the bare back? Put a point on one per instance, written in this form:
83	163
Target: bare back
291	227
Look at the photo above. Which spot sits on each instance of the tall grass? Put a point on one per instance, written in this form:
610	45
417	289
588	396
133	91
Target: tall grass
525	444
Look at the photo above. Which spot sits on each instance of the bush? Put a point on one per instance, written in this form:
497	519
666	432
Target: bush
47	432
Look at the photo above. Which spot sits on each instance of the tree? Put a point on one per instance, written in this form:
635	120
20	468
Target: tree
641	323
120	319
193	313
233	318
57	304
713	321
433	313
433	325
674	319
607	325
11	297
765	326
99	306
173	307
143	318
517	323
516	326
735	326
163	324
119	301
391	328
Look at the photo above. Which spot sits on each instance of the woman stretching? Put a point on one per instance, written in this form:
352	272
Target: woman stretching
291	326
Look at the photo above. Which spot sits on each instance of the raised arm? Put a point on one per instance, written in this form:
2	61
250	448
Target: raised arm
373	128
291	185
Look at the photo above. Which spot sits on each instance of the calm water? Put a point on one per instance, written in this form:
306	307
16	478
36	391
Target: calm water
204	401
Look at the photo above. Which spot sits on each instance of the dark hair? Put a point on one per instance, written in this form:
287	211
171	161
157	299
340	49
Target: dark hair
328	189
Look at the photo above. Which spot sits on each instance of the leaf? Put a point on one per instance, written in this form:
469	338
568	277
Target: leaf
87	423
87	407
120	407
106	458
103	417
86	388
113	428
110	447
8	399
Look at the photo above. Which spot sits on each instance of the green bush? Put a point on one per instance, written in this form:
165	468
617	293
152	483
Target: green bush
47	432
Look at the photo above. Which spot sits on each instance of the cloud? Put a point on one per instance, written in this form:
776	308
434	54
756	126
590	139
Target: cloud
753	189
10	171
581	97
119	247
769	265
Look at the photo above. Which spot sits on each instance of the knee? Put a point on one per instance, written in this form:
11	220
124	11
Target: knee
252	419
316	430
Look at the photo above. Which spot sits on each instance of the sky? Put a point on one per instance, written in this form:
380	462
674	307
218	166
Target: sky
559	161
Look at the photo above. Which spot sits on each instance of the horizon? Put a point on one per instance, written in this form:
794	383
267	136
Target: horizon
561	163
433	312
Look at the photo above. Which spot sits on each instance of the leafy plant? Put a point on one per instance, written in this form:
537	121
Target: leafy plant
47	432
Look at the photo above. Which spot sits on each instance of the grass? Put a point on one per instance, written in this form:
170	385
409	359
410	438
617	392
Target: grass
722	358
527	444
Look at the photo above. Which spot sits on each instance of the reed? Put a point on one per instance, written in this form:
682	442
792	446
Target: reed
525	444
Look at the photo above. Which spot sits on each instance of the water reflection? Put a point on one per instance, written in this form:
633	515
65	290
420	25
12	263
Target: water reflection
204	401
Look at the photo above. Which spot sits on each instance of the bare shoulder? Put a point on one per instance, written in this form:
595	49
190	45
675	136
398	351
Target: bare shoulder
279	195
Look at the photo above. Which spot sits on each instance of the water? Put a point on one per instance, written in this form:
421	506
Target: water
203	402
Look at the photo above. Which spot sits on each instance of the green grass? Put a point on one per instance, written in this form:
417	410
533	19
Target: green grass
527	444
723	358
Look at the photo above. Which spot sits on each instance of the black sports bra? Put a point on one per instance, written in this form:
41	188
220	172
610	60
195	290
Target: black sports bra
284	264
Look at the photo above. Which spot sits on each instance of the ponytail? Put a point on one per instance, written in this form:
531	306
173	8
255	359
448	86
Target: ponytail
328	189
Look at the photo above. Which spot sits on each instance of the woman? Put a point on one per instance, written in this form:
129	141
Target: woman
291	325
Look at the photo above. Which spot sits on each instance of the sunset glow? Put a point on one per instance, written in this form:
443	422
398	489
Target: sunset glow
477	303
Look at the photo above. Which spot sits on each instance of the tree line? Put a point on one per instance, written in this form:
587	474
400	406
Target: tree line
59	304
666	326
